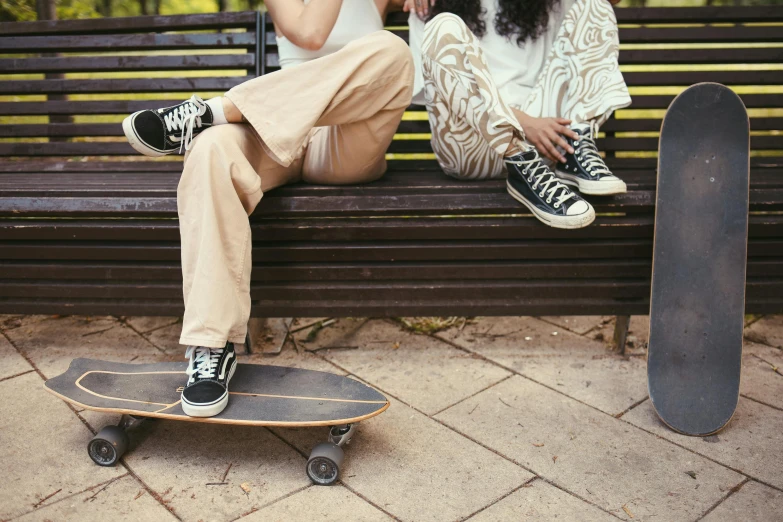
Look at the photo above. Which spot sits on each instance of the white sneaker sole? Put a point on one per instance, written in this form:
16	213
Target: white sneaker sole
211	409
593	188
569	222
135	142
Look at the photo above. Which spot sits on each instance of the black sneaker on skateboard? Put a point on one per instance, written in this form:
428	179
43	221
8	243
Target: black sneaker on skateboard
209	372
697	305
585	169
168	130
534	185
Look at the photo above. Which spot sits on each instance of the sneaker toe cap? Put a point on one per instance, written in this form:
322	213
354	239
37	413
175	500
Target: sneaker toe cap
149	129
204	392
579	208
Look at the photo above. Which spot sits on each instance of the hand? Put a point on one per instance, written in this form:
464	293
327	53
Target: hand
420	7
546	134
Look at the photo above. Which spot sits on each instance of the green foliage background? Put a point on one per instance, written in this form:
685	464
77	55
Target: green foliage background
24	10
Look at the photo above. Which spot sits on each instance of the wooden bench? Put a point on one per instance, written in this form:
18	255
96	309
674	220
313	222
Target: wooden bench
88	227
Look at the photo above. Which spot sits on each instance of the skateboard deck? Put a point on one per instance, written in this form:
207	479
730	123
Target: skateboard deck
697	305
259	394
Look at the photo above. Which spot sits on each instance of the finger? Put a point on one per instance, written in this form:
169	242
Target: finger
565	131
552	143
563	121
547	150
560	142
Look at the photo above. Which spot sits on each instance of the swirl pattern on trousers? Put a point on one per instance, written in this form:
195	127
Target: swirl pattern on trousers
473	127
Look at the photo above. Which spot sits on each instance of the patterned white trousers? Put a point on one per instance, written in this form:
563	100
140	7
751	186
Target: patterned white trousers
473	127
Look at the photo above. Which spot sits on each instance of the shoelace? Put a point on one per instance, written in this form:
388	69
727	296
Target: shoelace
203	362
540	175
592	160
185	117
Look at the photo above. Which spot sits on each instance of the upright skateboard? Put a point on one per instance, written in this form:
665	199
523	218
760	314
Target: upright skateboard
700	250
260	395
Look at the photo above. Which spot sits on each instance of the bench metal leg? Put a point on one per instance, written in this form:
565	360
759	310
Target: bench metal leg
621	323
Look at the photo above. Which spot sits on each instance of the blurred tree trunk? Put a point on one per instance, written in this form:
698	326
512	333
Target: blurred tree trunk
222	5
104	7
143	7
47	10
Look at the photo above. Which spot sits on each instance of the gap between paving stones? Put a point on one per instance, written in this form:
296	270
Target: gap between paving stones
92	430
526	484
305	456
492	450
744	474
724	498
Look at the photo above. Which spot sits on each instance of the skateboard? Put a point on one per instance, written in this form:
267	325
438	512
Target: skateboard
697	305
260	395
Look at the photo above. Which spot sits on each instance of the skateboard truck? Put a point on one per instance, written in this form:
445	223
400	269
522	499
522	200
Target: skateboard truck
323	466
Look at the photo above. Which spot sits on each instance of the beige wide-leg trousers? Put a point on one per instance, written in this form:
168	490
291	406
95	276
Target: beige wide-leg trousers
473	127
328	121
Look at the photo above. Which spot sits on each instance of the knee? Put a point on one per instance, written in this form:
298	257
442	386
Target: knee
393	49
212	149
445	29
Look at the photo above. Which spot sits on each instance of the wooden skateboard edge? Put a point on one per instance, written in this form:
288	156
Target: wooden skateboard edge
676	430
744	298
217	419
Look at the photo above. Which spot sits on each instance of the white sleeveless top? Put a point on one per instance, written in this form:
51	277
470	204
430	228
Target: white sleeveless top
357	18
515	69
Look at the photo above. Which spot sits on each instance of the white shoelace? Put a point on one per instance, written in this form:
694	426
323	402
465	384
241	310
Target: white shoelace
587	153
203	362
540	175
185	118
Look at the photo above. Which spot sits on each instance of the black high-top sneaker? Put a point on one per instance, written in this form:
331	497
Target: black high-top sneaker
209	371
164	131
585	168
534	185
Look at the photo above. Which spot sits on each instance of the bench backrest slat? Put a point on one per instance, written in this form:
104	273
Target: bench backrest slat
131	63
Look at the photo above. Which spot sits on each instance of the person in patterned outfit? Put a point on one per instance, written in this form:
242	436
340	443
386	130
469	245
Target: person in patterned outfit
519	89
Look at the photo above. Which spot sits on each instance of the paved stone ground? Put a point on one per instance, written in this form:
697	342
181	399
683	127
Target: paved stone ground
511	418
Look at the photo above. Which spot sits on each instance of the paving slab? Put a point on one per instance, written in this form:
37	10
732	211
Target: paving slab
320	503
167	340
767	330
146	324
214	472
123	499
53	343
575	365
424	372
13	363
330	332
539	501
9	322
417	469
579	324
590	454
41	438
750	443
753	503
762	374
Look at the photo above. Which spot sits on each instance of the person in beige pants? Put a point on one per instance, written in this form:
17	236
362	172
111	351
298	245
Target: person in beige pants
326	120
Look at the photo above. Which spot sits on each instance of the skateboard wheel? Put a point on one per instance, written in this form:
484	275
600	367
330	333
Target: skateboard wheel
323	466
106	448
